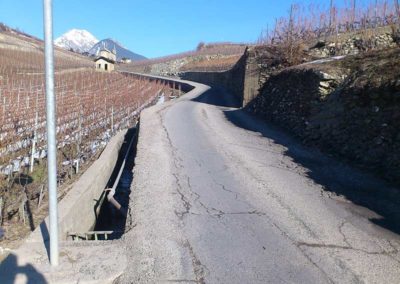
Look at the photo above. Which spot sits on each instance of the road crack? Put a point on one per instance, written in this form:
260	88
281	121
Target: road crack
333	246
223	187
340	228
214	212
186	204
199	269
180	189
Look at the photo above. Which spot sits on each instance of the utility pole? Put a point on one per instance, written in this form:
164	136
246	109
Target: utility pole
51	130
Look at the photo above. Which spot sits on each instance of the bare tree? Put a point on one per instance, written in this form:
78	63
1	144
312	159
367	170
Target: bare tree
353	13
331	15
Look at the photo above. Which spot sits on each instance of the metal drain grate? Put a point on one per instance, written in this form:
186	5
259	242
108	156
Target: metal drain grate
92	235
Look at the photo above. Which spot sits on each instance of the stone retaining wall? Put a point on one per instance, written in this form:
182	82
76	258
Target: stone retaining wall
353	114
345	44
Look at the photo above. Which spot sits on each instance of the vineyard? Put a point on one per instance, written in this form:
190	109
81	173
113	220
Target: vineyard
91	107
211	49
316	22
211	56
212	64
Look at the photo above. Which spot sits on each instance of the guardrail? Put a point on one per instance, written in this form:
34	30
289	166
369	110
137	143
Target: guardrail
175	83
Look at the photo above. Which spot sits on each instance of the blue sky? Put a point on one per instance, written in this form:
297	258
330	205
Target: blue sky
152	27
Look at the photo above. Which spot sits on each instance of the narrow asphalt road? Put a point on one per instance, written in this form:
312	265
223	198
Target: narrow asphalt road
221	197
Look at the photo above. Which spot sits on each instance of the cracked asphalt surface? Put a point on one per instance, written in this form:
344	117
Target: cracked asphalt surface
221	197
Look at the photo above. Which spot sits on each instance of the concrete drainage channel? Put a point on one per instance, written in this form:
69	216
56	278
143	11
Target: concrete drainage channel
92	218
111	209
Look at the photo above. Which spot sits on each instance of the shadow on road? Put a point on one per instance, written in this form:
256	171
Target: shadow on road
9	269
360	188
218	97
46	237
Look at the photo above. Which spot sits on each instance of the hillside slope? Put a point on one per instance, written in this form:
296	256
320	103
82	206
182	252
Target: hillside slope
27	52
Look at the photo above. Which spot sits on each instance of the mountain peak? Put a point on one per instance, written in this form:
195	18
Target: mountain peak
122	52
77	40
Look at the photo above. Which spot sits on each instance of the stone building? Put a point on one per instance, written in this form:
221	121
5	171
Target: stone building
105	60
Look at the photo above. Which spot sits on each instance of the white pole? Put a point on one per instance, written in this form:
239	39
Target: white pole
112	119
51	130
4	107
34	142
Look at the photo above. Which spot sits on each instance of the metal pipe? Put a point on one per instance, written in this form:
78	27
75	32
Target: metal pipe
110	196
51	130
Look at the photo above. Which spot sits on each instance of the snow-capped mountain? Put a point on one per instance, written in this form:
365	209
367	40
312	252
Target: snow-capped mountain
121	51
78	40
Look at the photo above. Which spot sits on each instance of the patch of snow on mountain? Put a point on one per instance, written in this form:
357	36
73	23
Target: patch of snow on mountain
78	40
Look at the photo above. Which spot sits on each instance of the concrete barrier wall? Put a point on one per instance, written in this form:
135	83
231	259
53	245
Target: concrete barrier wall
178	84
76	211
232	80
244	80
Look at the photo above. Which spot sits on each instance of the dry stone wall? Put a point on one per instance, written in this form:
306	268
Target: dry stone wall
345	44
351	111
